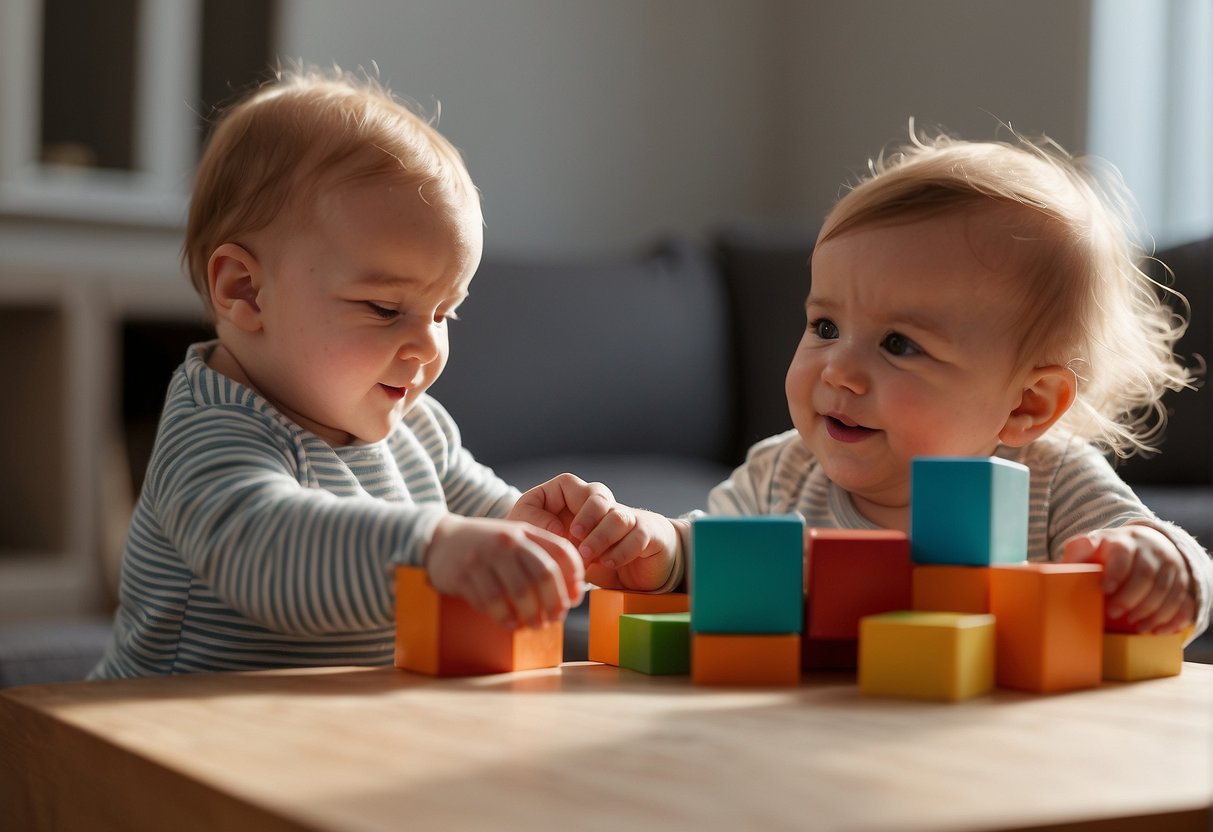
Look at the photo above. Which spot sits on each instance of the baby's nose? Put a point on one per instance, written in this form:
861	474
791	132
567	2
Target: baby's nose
845	370
421	343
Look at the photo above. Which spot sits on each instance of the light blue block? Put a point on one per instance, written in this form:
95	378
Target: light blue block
968	511
747	574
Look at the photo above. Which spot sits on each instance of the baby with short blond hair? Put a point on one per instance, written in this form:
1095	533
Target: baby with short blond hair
333	234
985	299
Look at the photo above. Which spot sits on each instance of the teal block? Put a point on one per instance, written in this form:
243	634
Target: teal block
655	643
968	511
747	574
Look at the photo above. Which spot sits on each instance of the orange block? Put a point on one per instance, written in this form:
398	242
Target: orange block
937	588
606	605
444	636
745	659
1048	625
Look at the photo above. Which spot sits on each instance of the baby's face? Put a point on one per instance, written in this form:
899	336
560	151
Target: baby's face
909	350
356	303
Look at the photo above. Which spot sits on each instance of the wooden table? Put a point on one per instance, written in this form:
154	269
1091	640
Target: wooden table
591	747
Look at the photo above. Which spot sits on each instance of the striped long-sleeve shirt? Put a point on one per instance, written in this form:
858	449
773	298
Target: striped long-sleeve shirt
1072	490
255	544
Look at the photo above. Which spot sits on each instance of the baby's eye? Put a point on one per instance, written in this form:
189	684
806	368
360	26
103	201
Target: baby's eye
824	329
382	311
897	344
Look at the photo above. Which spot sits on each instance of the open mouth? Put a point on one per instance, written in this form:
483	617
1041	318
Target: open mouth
843	431
396	393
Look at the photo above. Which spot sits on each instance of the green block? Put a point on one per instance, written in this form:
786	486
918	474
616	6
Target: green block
747	574
658	644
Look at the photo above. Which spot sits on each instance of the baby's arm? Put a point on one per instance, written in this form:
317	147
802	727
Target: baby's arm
1146	580
622	547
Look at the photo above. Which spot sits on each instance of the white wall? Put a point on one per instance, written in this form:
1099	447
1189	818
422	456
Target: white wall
858	70
588	126
592	126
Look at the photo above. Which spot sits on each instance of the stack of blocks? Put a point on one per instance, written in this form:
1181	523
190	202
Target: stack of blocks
980	614
947	613
747	601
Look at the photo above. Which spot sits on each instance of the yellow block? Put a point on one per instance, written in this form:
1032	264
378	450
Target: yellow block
926	655
1130	657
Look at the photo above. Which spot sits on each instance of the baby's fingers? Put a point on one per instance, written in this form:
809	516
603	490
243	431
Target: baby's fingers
1184	617
565	571
1163	598
486	594
522	579
635	544
536	515
613	527
1081	548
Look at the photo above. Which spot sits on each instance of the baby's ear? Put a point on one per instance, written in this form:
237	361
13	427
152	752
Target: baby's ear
1047	394
234	276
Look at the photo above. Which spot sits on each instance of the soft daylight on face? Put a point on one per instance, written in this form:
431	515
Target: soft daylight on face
908	350
358	308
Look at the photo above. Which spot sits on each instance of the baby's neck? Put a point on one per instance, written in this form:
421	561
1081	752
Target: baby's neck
887	517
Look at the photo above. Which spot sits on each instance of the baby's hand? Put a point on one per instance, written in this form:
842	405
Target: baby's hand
1145	578
518	575
622	547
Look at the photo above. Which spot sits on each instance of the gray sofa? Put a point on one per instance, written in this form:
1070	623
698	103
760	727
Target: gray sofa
655	374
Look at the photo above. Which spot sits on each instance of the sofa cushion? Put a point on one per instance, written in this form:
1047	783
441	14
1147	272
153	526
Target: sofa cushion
45	652
622	357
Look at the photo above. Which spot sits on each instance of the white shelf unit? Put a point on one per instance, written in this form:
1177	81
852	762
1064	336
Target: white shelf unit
66	491
96	154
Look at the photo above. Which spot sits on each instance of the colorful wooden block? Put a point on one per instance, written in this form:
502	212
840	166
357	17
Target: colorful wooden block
927	655
1130	657
853	573
747	574
950	589
745	659
606	605
968	510
1049	625
656	644
444	636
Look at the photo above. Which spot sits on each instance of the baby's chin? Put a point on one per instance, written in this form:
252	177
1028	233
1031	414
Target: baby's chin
880	488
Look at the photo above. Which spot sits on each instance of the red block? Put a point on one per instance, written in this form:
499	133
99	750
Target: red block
852	573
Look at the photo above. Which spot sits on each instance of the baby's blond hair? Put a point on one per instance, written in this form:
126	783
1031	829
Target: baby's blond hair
273	151
1068	227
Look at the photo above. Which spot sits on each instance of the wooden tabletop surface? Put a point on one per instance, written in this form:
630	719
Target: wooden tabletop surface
592	747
